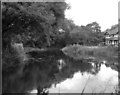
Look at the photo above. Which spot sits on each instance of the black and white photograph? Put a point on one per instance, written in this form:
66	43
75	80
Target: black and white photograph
59	47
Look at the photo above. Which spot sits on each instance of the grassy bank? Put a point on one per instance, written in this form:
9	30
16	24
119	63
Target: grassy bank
107	53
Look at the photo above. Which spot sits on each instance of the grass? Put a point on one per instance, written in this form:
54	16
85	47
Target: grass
107	53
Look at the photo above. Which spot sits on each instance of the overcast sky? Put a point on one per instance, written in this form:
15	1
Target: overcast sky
82	12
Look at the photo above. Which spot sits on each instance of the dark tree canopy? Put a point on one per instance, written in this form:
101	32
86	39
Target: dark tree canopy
34	24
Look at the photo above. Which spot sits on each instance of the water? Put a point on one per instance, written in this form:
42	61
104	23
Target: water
103	82
54	72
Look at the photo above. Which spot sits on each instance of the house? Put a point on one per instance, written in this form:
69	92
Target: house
111	36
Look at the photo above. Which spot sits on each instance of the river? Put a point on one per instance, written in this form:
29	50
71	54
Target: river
77	76
55	72
103	82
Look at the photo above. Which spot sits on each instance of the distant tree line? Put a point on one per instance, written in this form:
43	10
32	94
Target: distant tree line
86	35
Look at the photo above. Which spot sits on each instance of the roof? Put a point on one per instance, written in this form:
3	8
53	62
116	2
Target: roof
112	31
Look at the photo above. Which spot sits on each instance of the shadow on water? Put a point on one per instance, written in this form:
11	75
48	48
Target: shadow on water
42	70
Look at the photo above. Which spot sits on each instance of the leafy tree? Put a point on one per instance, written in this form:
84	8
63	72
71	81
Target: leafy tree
35	23
87	35
94	26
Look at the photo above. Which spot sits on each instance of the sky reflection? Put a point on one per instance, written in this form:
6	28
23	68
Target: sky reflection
103	82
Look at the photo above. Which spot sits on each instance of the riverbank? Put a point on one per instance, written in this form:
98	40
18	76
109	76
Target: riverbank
98	53
107	53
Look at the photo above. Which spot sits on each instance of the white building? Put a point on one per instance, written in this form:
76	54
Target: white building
111	36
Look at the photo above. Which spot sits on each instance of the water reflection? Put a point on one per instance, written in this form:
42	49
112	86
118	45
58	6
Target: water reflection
103	82
55	69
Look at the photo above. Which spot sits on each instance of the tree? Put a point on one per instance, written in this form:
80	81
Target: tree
86	35
94	26
35	23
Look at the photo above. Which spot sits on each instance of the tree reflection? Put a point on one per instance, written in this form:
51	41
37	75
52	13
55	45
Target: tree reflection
42	70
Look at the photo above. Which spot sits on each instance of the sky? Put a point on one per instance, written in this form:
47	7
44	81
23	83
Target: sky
83	12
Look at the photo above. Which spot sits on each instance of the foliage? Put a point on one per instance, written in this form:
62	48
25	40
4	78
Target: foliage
94	26
39	25
87	35
33	24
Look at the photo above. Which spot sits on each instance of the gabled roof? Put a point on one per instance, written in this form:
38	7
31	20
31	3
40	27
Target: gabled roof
112	31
